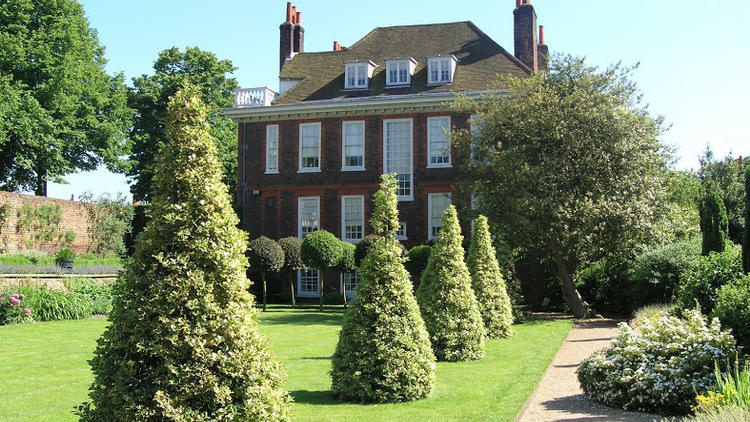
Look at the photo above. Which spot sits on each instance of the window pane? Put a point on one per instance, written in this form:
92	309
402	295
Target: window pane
361	75
272	148
398	151
438	141
354	140
438	204
308	281
434	71
445	69
309	216
310	146
353	216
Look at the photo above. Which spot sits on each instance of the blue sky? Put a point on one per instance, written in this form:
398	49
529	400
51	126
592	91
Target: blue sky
693	54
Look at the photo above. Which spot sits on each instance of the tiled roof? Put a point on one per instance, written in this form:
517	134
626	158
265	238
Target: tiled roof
480	60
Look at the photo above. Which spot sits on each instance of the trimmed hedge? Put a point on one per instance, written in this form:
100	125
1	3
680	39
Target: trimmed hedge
321	250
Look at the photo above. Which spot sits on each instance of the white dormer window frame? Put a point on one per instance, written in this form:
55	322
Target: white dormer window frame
357	74
398	71
441	68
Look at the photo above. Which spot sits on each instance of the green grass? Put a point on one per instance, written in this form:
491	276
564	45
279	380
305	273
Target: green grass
45	374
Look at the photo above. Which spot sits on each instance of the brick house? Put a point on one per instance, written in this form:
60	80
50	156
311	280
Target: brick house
311	155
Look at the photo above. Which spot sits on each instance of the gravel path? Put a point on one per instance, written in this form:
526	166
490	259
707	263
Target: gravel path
558	397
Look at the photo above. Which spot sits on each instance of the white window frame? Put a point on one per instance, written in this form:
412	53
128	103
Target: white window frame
410	196
301	199
309	169
431	141
350	293
270	129
444	63
301	293
344	125
401	233
361	199
430	197
356	68
400	65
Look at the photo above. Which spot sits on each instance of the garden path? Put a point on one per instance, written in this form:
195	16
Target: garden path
558	396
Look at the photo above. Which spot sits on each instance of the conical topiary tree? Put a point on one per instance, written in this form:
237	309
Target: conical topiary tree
183	341
321	250
714	223
292	261
445	297
383	353
487	282
266	256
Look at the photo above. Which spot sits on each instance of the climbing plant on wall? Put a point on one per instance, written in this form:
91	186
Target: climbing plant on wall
39	227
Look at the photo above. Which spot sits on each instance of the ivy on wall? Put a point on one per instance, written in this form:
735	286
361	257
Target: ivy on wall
38	227
5	211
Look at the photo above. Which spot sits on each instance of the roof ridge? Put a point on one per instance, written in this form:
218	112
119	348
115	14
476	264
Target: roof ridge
422	24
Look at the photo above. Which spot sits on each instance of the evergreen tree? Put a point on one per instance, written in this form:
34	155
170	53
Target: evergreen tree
183	342
714	223
746	235
445	297
383	353
488	283
265	255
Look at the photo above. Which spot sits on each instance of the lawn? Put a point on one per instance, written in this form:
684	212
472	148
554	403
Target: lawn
45	374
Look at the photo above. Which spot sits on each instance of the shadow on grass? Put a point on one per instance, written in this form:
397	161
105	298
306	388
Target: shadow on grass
318	358
302	318
313	397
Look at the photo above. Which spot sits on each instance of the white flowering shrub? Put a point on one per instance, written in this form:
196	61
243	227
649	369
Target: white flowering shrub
660	368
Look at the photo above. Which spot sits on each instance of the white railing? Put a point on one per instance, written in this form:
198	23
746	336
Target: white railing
254	97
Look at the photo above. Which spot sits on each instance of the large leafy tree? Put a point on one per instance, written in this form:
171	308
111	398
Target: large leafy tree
570	163
149	97
59	110
183	342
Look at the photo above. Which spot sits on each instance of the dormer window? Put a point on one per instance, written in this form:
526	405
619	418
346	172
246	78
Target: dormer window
398	70
358	73
440	69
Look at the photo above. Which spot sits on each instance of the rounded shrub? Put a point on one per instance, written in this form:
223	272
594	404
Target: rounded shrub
383	353
701	282
446	299
265	255
416	262
321	250
183	342
487	282
292	261
733	310
363	247
655	274
661	367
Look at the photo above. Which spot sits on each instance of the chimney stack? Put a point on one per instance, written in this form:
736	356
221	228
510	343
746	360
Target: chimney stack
524	34
542	52
291	35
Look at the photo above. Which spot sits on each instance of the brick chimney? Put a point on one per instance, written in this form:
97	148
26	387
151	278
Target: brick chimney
291	35
542	52
524	34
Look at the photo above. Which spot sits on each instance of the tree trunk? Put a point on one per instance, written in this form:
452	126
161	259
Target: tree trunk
291	288
579	306
264	291
343	289
41	182
320	292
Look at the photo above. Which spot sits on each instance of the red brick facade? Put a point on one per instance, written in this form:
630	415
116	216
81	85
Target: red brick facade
270	204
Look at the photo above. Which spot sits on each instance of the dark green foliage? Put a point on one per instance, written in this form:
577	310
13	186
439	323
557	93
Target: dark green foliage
65	253
714	223
488	283
292	254
746	235
59	110
702	282
416	262
149	97
727	178
183	341
383	353
265	256
733	310
446	299
100	295
110	221
363	248
655	274
292	261
138	223
346	263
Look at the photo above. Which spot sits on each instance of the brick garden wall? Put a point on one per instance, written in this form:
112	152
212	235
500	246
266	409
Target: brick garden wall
74	218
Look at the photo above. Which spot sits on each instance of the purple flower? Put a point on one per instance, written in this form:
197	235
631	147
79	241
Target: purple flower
15	301
22	296
27	310
2	298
